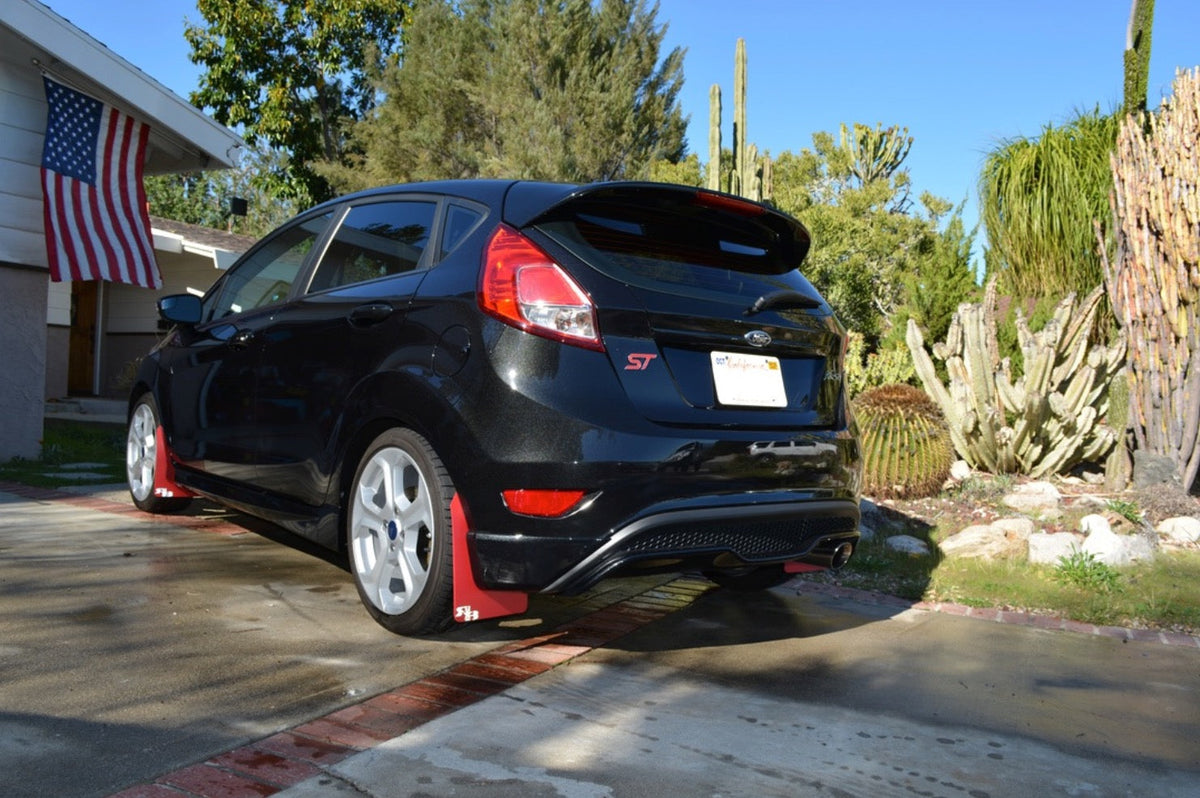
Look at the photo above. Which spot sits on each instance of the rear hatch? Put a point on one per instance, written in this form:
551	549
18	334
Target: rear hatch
700	301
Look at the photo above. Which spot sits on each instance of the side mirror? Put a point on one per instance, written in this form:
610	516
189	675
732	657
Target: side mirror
180	309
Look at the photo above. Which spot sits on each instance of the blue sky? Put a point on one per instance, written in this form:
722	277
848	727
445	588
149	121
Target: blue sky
961	75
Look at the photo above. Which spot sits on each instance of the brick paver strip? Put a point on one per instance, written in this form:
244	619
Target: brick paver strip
270	765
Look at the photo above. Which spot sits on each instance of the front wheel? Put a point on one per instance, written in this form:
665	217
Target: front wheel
398	534
141	460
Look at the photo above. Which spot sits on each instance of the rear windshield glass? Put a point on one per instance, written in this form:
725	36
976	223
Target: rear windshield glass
682	248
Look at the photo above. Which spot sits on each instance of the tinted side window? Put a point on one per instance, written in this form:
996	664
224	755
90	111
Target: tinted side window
266	277
376	240
459	222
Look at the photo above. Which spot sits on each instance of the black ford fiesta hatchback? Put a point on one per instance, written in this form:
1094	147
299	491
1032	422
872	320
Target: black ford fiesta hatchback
484	389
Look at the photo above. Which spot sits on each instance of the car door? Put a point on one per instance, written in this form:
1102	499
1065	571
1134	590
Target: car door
348	325
211	374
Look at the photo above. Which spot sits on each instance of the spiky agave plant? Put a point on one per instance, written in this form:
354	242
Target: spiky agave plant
906	444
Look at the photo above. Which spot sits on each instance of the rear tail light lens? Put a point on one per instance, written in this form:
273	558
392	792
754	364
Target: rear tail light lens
542	503
522	286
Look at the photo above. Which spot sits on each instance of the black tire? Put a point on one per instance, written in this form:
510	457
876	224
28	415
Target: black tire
141	459
750	578
397	529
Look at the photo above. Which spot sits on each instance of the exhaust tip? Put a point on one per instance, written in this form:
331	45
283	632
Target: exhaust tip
841	555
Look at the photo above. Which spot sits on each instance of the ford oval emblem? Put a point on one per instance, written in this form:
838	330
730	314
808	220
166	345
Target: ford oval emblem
757	338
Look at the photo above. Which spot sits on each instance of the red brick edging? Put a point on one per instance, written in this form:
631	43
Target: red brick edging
294	755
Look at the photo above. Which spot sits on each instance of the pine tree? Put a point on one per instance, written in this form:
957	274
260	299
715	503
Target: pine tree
571	91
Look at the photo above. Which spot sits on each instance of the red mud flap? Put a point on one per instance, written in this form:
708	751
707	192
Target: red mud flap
164	471
472	602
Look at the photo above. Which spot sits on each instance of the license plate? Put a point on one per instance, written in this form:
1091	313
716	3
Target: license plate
748	380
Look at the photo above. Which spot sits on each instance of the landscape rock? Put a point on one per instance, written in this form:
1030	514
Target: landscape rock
1153	469
1034	497
999	539
1180	530
1106	546
865	533
1095	523
1046	548
907	544
1016	528
960	470
1110	548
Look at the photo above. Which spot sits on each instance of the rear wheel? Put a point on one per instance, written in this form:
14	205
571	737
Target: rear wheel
141	460
750	578
398	534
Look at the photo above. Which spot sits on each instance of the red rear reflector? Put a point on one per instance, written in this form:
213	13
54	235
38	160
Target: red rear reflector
523	287
542	503
727	203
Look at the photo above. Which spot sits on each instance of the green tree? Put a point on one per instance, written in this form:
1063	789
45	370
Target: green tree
568	90
944	277
293	74
686	172
204	198
854	200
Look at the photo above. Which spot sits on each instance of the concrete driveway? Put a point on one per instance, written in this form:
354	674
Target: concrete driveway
197	656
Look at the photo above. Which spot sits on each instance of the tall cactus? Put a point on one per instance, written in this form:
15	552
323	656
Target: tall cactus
877	153
1154	278
750	175
1048	420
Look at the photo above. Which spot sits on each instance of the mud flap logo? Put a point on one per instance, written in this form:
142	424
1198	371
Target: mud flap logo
465	614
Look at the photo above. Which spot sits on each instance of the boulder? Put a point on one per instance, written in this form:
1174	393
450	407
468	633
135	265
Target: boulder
1105	545
1180	530
1046	548
1153	469
960	470
1038	498
1004	538
1095	523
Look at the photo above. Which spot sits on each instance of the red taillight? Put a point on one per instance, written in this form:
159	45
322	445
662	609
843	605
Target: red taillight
522	286
728	203
542	503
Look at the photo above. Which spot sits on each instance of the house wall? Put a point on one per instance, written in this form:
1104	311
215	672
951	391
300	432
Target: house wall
23	271
22	352
131	315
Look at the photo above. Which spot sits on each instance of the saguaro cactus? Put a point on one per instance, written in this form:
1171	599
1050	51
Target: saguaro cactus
750	175
1048	420
1154	278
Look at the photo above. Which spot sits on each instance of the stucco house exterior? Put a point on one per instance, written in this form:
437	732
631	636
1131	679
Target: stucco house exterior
36	316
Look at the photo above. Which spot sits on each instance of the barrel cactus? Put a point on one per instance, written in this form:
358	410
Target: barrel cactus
907	451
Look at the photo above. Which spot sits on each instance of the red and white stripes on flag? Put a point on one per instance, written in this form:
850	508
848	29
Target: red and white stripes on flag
94	203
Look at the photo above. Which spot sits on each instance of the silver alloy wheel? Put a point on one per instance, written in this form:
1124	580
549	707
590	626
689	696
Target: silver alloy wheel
391	530
141	451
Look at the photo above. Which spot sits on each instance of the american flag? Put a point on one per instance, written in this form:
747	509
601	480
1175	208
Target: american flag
94	204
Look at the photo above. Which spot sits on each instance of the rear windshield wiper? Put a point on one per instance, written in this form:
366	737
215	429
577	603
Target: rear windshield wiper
782	299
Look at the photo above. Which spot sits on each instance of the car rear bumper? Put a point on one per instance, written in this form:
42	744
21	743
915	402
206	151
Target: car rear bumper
688	538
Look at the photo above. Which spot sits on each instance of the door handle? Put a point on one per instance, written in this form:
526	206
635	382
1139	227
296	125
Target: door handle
366	315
